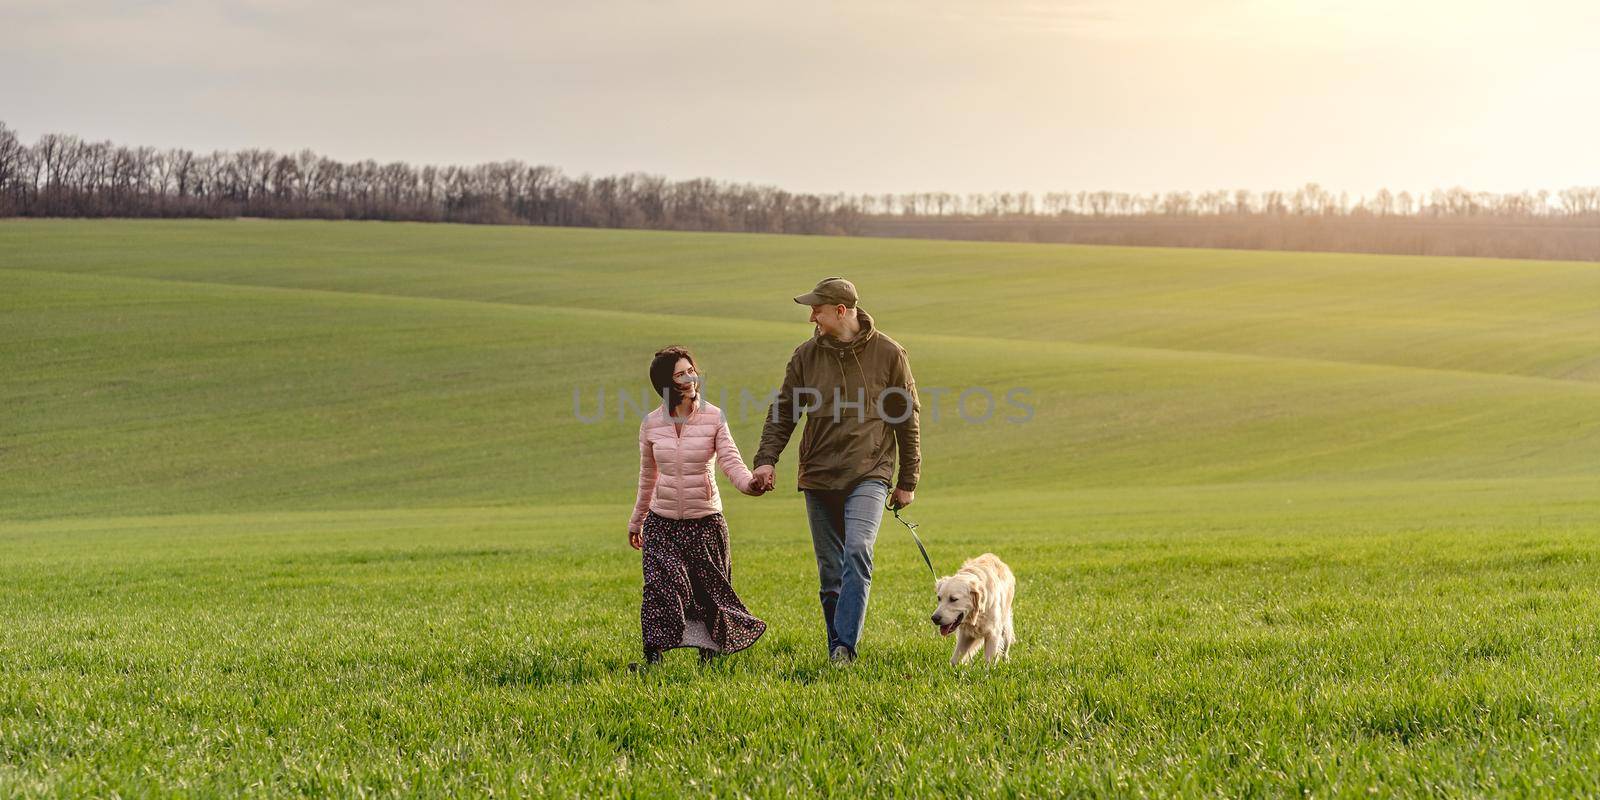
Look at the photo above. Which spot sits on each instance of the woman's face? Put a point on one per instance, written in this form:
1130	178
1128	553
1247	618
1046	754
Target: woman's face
686	378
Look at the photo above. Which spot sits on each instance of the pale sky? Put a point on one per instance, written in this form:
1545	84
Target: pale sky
856	96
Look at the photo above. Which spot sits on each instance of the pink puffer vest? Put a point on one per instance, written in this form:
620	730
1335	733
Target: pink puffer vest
675	476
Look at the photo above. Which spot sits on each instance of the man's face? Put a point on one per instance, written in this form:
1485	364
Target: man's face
829	318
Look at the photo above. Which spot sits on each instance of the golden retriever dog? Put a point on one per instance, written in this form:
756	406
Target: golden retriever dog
975	603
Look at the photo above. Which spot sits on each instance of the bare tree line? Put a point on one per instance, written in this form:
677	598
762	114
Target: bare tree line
1446	222
64	176
1310	200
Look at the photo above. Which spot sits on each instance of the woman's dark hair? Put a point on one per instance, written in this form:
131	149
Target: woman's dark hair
661	369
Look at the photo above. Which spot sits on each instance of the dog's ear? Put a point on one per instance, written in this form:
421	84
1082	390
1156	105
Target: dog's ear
977	596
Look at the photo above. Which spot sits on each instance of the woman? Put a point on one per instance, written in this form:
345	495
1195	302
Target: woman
677	521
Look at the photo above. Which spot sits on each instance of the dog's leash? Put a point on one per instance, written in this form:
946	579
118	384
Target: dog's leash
912	527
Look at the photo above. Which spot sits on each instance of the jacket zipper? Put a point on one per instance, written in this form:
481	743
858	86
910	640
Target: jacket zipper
677	435
844	379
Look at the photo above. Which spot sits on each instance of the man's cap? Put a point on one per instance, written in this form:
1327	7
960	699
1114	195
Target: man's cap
829	292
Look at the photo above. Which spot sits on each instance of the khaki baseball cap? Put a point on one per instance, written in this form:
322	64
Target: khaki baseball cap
830	291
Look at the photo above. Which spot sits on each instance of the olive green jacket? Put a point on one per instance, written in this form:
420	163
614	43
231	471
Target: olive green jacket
860	404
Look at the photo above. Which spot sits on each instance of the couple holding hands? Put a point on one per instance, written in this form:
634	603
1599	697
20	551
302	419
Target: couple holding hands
855	388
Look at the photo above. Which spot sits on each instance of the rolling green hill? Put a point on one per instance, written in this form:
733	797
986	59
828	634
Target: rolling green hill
295	508
205	366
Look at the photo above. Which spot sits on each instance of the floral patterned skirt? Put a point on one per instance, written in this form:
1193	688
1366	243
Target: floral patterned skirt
688	591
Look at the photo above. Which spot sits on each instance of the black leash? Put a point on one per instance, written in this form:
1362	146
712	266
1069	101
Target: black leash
912	526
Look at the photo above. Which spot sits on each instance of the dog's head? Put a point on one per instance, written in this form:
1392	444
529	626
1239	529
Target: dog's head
959	597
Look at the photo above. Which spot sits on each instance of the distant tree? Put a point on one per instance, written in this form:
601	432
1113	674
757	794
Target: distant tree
12	154
1243	202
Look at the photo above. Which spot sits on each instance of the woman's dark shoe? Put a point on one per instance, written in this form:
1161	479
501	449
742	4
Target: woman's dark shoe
651	658
707	655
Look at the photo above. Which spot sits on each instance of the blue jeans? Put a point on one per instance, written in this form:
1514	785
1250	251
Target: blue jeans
844	526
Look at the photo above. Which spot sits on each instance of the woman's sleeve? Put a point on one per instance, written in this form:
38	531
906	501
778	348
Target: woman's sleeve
647	479
729	459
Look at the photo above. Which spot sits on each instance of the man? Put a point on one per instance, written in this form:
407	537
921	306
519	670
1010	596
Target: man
854	385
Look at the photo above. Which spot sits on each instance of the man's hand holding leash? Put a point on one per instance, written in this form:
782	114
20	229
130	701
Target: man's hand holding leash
901	498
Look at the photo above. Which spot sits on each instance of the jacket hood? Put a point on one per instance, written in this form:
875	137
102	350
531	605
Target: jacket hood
868	331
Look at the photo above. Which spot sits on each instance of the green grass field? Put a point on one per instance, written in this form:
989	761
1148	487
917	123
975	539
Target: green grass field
304	508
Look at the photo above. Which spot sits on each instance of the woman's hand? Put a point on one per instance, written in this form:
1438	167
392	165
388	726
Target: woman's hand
756	486
636	539
763	477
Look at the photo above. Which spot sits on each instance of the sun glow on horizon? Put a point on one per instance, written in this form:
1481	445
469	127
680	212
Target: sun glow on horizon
883	96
